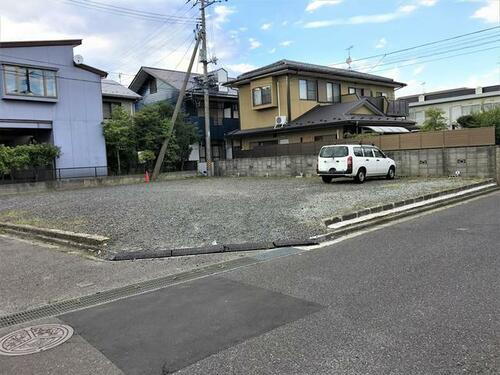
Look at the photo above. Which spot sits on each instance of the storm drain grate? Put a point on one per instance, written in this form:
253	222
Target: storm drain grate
63	307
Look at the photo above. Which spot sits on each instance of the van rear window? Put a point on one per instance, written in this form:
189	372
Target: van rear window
334	152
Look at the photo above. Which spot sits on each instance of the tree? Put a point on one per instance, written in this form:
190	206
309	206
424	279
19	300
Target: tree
151	125
119	134
434	120
25	156
483	119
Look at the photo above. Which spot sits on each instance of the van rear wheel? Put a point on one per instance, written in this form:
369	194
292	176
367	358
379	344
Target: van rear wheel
391	174
326	179
360	176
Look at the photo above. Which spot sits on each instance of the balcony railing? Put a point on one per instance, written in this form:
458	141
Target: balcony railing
217	130
392	108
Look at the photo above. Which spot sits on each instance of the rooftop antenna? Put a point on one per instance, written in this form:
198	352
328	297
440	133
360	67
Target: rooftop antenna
348	61
423	87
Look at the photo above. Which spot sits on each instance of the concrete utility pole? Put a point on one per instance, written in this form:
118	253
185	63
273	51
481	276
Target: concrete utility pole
206	96
177	109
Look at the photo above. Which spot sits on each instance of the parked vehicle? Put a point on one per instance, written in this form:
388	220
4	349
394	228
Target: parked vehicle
355	161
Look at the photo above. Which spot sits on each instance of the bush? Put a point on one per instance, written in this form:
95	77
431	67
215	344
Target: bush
26	156
482	120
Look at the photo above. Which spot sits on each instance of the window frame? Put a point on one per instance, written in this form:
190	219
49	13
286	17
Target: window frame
333	85
308	89
355	89
261	89
368	148
27	72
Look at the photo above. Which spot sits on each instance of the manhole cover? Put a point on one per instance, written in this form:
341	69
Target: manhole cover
34	339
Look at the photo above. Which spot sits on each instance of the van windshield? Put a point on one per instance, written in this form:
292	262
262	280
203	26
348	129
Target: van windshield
334	152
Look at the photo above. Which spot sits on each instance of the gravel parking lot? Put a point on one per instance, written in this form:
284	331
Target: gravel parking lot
200	211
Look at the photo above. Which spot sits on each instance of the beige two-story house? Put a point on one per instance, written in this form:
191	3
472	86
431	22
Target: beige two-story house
292	102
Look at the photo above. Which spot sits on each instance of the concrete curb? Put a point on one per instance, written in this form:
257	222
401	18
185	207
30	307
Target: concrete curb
92	242
336	233
402	203
229	248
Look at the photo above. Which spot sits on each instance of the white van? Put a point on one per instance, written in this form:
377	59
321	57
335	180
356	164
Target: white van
356	161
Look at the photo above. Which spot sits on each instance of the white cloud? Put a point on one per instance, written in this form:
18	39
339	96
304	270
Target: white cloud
428	3
272	50
243	29
254	43
286	43
316	4
400	12
419	69
284	23
489	12
381	43
266	26
241	68
222	13
482	79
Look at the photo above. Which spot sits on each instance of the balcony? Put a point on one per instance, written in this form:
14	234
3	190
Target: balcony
217	132
392	108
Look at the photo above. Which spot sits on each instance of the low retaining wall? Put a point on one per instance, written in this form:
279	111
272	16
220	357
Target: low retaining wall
480	161
79	183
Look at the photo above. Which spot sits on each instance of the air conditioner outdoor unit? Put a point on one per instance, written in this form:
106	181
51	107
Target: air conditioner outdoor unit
279	121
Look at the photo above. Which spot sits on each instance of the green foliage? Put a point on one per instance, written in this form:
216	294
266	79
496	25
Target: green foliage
434	120
129	139
119	135
483	119
26	156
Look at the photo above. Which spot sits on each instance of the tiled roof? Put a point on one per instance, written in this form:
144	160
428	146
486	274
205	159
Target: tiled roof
306	67
114	89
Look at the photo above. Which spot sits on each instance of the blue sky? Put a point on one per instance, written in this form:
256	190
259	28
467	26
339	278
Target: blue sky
245	34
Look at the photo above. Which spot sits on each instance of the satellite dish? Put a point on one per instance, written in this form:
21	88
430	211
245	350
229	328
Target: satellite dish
78	59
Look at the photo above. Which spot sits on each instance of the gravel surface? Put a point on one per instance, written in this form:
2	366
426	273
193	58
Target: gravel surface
202	211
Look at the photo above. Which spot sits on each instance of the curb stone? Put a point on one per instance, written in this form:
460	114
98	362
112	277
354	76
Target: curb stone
389	206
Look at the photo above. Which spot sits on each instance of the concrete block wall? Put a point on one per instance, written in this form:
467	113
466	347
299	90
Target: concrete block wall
480	161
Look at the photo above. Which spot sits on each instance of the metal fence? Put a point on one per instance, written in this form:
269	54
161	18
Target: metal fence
52	174
393	142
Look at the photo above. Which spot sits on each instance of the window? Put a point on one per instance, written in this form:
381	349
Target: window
378	153
108	108
30	81
307	89
262	95
334	152
380	93
490	106
236	113
368	151
357	90
153	88
318	138
227	112
358	151
332	92
470	109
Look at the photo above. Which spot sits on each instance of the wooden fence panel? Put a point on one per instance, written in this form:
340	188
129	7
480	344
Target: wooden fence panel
431	139
393	142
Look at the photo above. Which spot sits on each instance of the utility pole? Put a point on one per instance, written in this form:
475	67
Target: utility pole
206	96
164	146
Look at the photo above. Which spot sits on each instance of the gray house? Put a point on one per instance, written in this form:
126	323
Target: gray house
116	95
156	85
48	95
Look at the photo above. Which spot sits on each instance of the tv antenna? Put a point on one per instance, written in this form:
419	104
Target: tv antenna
348	61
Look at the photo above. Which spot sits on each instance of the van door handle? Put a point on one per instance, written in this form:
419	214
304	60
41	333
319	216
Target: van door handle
378	159
367	160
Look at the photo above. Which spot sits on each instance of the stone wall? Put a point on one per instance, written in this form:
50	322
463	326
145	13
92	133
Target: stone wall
469	161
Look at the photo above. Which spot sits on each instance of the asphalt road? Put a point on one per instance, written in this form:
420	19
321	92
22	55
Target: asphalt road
417	297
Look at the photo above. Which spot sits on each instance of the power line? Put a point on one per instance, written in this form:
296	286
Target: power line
442	58
420	45
129	12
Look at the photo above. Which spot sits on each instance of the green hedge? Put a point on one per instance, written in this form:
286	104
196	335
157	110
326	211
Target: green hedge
27	156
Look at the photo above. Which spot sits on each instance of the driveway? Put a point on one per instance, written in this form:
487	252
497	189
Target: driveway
417	297
201	211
